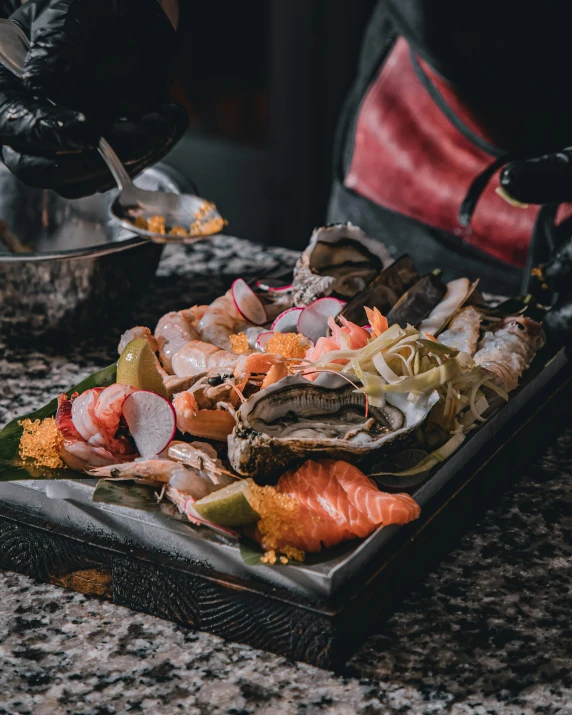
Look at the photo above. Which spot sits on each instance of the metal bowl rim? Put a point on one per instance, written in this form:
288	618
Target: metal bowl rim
102	249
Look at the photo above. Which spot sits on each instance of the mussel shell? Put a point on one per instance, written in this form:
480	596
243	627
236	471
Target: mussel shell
256	453
384	291
418	301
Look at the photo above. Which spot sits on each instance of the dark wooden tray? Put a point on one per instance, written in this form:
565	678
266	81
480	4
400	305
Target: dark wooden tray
324	632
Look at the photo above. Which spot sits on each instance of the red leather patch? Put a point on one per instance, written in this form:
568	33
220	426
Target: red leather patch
411	159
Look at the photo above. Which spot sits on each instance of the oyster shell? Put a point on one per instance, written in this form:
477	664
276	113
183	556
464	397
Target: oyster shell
296	419
340	260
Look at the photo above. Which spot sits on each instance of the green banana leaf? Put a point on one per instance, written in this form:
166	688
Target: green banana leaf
10	435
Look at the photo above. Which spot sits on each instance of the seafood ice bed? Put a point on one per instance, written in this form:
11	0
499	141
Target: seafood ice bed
302	420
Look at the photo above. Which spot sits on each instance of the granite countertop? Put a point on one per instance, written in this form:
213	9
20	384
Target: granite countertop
489	631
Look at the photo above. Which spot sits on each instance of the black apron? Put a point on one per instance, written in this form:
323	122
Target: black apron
437	108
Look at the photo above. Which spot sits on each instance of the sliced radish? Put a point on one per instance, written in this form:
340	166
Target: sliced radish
273	289
287	322
263	338
151	420
313	321
248	303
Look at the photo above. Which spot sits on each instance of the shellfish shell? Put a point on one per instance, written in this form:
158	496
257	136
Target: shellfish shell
295	419
340	260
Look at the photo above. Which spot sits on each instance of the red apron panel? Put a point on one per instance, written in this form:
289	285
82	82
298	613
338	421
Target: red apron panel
410	158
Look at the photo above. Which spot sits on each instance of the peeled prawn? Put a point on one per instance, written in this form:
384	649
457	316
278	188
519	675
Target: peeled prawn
220	320
139	331
74	450
96	414
173	331
197	357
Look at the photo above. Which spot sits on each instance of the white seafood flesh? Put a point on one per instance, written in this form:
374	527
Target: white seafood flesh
463	331
457	292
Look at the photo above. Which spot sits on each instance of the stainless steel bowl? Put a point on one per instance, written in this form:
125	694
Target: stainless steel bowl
84	269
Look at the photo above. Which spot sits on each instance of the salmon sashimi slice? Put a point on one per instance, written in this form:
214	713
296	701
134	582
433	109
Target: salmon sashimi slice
337	502
315	486
381	508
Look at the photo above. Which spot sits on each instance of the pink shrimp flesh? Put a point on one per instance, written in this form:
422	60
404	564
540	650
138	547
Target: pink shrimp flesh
173	331
74	450
138	331
197	357
220	320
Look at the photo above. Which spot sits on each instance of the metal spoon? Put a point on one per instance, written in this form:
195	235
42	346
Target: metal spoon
197	216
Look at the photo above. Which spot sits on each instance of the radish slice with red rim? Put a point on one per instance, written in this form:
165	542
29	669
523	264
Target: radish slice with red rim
151	420
248	303
273	289
313	321
263	338
287	322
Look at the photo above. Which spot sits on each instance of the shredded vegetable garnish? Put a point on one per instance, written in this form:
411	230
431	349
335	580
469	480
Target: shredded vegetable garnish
39	443
239	343
439	455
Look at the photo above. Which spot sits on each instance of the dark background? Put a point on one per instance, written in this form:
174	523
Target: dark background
264	82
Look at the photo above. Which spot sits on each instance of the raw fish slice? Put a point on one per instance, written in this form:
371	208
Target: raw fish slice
337	502
315	486
379	507
463	331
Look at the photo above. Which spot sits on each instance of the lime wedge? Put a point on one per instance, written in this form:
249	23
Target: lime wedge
137	366
228	506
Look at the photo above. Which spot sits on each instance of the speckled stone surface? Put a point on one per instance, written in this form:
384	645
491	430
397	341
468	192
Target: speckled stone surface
489	631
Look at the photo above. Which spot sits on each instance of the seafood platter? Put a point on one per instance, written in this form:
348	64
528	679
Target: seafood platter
286	435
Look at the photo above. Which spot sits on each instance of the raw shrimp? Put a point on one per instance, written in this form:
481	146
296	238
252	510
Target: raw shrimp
74	450
203	457
139	331
508	349
220	320
197	357
190	481
463	331
96	415
173	331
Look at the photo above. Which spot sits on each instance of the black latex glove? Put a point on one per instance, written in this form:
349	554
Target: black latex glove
548	180
544	180
106	64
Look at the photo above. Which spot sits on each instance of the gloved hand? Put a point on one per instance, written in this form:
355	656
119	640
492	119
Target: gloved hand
106	64
548	180
544	180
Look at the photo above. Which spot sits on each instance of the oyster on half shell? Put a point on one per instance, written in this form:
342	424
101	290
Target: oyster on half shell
340	260
296	419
